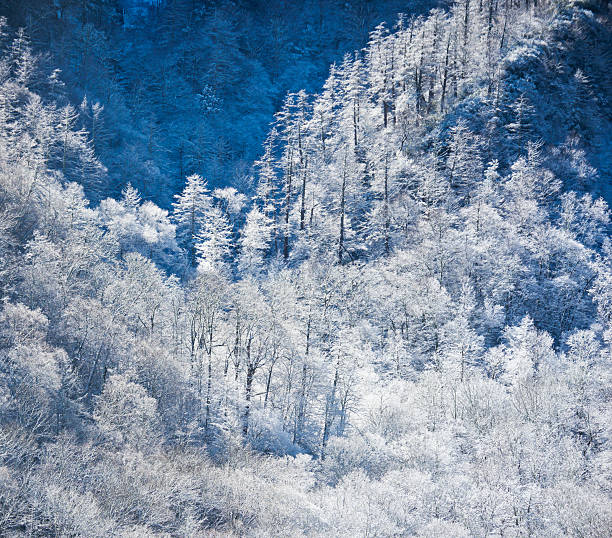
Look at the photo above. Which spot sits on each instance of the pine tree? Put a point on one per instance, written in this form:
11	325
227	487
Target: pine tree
266	191
190	211
130	197
352	88
521	127
291	121
324	112
213	241
254	242
380	67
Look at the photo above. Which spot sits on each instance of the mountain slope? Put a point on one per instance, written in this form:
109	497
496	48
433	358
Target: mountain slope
406	330
189	87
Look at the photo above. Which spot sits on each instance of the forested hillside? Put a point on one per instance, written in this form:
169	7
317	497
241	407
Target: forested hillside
396	321
176	87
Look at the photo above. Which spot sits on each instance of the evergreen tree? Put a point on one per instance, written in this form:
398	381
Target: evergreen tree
214	241
190	213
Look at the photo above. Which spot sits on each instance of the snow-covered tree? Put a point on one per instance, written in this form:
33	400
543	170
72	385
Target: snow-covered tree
189	212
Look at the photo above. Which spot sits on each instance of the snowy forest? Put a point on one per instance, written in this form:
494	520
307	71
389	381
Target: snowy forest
305	268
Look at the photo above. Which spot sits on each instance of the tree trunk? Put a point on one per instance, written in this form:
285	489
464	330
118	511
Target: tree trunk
355	122
269	383
303	202
249	387
445	76
432	78
322	134
329	414
208	389
342	208
386	206
301	406
464	52
288	185
418	75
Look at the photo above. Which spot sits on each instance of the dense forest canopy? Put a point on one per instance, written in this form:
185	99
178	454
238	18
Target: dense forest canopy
242	298
190	86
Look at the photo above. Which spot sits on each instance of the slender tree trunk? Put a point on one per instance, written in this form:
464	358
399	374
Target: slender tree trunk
343	412
192	233
503	36
432	78
303	201
65	149
208	389
464	52
454	69
269	380
342	209
385	112
418	75
329	414
322	135
386	204
250	373
355	122
489	63
288	184
301	406
392	76
209	373
445	75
